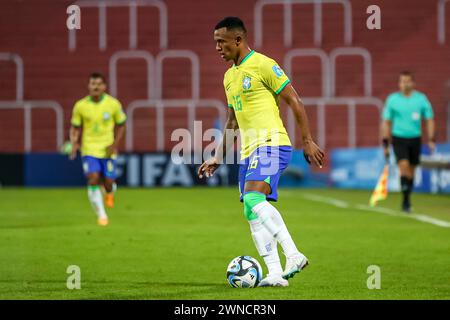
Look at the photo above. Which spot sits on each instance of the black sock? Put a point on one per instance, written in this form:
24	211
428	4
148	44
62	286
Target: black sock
410	188
406	186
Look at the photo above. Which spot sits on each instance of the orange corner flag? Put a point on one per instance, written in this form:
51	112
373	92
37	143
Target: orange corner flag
381	190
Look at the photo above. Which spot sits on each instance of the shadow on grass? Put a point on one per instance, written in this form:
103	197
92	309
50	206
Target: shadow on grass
139	290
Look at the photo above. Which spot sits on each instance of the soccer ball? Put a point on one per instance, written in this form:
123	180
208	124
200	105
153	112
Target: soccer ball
244	272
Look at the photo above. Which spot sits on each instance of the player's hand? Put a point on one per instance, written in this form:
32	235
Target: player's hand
112	150
313	153
74	150
208	167
431	146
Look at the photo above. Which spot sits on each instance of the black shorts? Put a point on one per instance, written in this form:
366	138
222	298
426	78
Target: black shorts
407	149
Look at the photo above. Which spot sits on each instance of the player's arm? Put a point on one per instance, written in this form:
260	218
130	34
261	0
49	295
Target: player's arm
75	130
430	124
120	133
228	136
386	125
431	134
385	130
311	149
226	143
74	135
119	119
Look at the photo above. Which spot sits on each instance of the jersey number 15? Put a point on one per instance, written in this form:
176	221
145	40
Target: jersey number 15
237	103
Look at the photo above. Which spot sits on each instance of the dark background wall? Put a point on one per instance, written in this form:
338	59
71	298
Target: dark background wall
36	30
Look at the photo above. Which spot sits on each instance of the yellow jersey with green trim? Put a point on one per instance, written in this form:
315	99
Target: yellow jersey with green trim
98	120
252	90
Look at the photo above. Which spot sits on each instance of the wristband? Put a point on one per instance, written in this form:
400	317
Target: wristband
385	142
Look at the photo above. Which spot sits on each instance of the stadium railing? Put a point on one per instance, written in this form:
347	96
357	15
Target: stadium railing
195	70
448	121
310	52
287	19
7	56
326	102
160	105
329	66
133	31
441	20
28	106
155	78
351	51
328	99
132	54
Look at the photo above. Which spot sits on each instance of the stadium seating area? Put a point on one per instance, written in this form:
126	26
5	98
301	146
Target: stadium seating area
161	63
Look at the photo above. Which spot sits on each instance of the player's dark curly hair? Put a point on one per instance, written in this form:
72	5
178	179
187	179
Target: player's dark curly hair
231	23
97	75
407	73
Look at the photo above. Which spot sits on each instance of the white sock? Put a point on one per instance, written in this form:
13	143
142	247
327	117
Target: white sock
273	221
267	247
96	199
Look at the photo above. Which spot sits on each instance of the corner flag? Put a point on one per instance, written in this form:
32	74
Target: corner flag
381	191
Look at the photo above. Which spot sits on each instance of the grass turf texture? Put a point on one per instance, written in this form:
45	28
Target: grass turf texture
177	243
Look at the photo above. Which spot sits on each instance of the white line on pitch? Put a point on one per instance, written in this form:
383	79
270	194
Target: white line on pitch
344	204
416	216
332	201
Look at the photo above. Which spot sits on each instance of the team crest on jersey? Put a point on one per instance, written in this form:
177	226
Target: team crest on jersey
106	116
246	83
277	70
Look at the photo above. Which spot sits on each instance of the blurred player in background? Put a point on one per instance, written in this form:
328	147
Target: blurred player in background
97	116
253	86
402	126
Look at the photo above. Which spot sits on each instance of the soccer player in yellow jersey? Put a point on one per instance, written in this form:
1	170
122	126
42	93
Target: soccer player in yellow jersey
253	86
95	119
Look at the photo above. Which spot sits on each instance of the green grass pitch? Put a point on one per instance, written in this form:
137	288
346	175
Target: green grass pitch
176	244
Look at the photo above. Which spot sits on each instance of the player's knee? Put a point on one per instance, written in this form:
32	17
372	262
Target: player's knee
108	184
93	179
251	199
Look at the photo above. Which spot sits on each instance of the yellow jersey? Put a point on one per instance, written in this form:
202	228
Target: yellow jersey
252	90
98	120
